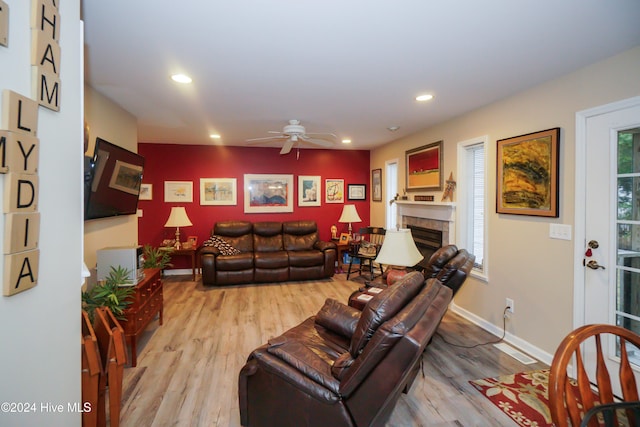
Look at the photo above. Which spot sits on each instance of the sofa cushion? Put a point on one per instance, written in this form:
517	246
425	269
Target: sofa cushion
223	246
299	235
237	233
270	260
267	236
243	261
305	258
383	307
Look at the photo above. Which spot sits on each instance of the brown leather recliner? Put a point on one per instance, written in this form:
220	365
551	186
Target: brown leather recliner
343	367
450	265
267	252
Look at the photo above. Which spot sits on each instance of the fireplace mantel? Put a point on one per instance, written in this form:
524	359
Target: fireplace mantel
442	211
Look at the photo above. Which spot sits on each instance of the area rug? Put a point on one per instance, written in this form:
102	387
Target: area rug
522	396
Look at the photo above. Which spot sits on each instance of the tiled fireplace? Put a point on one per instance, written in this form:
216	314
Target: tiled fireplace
429	220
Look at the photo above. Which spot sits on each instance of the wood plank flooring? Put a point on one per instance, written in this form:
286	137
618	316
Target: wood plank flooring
187	373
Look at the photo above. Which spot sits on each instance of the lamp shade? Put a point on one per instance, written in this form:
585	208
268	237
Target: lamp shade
349	214
178	218
398	248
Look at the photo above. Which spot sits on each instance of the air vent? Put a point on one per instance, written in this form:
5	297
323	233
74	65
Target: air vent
519	356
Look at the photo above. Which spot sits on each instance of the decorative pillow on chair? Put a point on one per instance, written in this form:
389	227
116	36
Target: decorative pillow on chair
223	246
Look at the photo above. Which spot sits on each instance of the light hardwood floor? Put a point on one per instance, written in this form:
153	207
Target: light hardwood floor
187	373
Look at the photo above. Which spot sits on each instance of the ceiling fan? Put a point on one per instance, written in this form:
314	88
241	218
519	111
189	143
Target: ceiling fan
293	133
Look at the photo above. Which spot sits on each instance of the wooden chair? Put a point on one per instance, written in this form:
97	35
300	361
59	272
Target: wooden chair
113	352
568	404
91	372
366	250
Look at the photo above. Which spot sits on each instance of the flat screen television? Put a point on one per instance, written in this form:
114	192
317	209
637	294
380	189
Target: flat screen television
111	181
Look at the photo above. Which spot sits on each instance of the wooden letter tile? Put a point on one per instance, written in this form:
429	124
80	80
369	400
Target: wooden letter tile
19	113
20	192
18	152
21	232
4	24
20	271
46	88
45	53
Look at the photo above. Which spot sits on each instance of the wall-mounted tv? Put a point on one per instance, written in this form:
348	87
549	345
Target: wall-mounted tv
111	181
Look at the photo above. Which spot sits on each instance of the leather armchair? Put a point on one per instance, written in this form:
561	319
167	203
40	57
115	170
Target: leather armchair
450	265
343	367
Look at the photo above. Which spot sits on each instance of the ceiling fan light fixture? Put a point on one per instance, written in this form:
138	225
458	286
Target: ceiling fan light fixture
181	78
425	97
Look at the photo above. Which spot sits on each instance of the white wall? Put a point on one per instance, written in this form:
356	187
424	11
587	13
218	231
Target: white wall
40	328
525	264
111	122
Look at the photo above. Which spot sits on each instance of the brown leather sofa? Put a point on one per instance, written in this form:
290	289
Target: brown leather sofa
343	367
267	252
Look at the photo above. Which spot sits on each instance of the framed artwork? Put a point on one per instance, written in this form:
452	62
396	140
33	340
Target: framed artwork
309	191
126	177
357	192
218	191
268	193
424	167
527	175
178	191
344	238
376	185
146	192
334	191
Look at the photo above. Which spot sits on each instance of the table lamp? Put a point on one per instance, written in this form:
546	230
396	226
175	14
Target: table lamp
398	251
178	218
349	214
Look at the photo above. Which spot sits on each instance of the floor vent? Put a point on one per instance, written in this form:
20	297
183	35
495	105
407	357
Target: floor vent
519	356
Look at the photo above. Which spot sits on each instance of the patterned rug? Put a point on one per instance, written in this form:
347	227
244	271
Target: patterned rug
522	396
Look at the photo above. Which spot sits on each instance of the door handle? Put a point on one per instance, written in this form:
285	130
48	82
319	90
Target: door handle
593	264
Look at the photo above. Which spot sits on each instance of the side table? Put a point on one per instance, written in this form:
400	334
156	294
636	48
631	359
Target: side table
362	296
191	252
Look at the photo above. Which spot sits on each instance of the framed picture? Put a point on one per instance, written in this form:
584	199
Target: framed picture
376	185
344	238
527	175
218	191
424	167
309	190
146	192
357	192
193	241
126	177
334	191
268	193
178	191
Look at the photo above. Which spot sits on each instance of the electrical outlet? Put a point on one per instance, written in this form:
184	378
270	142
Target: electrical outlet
509	303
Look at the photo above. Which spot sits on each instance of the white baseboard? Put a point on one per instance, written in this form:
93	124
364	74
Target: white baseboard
514	340
178	272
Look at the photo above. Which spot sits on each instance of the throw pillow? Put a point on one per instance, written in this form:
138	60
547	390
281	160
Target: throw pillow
223	246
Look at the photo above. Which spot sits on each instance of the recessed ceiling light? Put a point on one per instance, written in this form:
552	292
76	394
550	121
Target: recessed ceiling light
214	136
181	78
426	97
346	141
393	128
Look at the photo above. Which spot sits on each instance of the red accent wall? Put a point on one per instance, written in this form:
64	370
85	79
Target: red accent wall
172	162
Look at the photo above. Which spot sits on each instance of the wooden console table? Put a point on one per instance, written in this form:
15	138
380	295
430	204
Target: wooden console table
147	301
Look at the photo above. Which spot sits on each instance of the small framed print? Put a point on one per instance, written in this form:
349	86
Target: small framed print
218	191
146	192
357	191
344	238
178	191
309	191
334	191
376	185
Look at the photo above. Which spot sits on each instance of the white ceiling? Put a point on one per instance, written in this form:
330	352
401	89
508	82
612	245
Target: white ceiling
351	67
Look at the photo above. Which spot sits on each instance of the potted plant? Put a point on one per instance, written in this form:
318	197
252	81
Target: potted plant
157	257
114	292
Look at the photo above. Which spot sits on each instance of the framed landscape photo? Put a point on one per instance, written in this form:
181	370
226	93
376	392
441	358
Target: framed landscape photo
309	191
527	174
265	193
357	192
178	191
218	191
334	191
376	185
424	167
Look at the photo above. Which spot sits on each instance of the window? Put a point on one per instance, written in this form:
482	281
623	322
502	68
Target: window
472	201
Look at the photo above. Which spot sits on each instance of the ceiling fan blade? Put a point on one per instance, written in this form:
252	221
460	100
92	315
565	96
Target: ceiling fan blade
266	138
286	148
327	136
316	141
